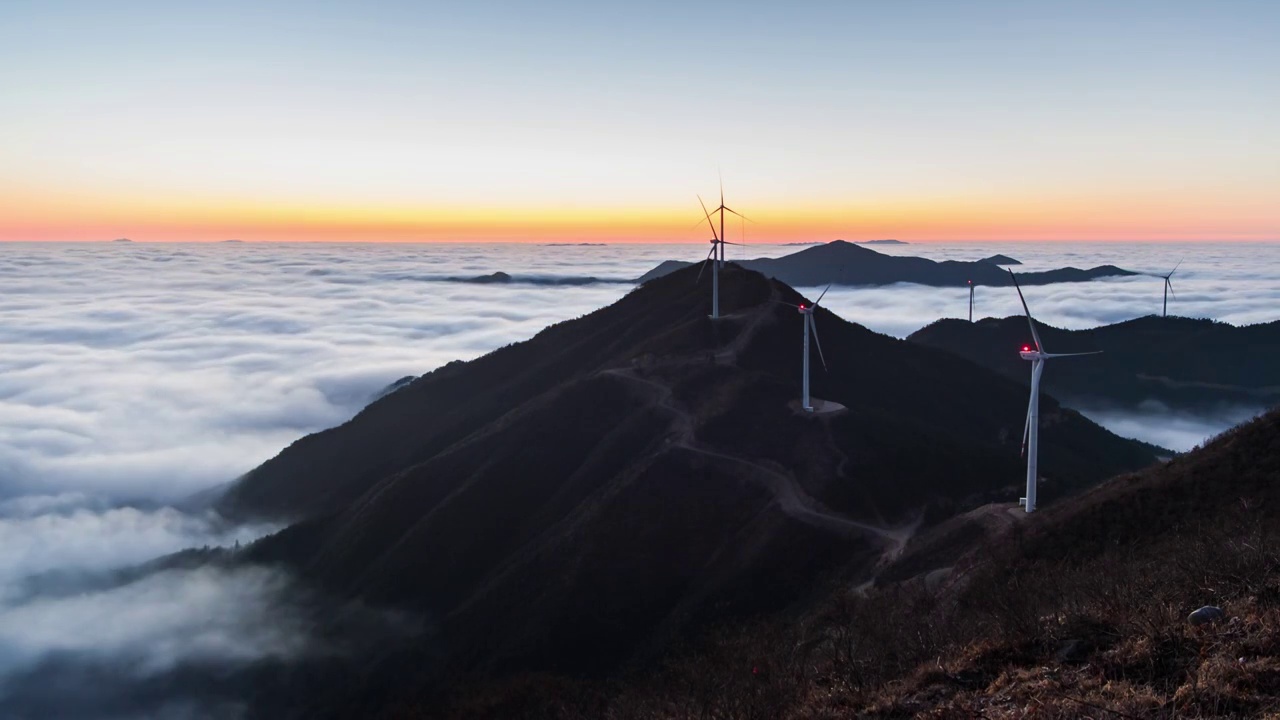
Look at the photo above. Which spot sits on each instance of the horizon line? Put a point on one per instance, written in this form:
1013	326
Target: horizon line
591	242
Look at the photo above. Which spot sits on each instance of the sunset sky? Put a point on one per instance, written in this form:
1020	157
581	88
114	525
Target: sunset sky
425	121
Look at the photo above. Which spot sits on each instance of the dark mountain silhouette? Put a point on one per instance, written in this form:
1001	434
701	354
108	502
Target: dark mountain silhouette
497	277
1082	610
1000	260
880	242
1182	363
392	387
503	278
581	499
844	263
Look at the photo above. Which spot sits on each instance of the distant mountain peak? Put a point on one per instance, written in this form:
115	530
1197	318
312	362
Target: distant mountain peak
844	263
1000	260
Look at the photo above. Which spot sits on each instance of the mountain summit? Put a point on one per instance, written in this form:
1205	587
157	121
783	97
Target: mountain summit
580	499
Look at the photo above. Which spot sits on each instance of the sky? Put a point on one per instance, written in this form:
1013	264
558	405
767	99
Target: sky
602	121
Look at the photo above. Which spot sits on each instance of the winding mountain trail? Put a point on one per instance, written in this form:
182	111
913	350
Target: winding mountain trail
786	490
729	354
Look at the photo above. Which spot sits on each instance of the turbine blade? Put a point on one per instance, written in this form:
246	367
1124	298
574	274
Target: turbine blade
1031	323
813	326
704	265
708	215
824	294
1057	355
721	176
1026	430
1171	292
1037	368
1175	269
735	212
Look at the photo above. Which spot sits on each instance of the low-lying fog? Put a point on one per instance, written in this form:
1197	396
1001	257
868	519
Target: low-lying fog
135	375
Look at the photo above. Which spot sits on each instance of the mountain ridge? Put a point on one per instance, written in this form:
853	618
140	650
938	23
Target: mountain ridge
844	263
1182	363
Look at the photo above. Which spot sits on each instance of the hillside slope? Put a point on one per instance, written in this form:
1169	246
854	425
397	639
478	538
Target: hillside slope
1082	610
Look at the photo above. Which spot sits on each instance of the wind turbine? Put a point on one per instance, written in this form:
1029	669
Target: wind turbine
722	209
809	327
1031	432
1168	288
970	301
717	252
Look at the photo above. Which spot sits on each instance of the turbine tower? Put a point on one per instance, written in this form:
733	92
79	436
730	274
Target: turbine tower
970	301
1031	432
806	311
1168	289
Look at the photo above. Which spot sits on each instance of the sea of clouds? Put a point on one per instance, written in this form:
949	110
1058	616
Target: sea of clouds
136	375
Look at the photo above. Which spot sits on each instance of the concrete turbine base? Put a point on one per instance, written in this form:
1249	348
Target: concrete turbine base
825	408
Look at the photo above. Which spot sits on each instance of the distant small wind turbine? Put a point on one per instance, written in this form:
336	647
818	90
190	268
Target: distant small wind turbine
970	301
1031	432
1168	288
806	311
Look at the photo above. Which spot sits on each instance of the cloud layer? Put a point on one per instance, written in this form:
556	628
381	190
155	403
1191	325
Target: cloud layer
75	608
145	371
136	375
1235	283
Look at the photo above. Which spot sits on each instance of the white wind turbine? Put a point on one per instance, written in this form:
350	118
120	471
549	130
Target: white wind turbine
716	256
1168	288
722	209
806	311
1031	432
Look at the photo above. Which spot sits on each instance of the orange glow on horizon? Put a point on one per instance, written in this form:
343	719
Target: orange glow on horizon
974	218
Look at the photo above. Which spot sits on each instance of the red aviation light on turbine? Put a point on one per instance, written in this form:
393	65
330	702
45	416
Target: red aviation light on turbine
1026	348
